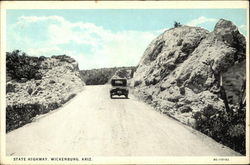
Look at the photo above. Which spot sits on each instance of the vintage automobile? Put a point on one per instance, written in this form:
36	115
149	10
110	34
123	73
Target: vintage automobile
119	87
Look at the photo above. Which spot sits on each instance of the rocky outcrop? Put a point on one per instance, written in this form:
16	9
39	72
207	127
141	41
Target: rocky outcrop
198	77
182	69
57	80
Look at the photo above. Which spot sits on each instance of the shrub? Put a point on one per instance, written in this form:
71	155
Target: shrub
38	76
52	106
30	90
209	110
19	115
19	66
42	58
177	24
10	88
226	128
236	130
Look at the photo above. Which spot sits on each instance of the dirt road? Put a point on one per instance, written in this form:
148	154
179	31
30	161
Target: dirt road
93	124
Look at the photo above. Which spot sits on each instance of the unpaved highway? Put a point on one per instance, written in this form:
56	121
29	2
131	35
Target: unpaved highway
93	124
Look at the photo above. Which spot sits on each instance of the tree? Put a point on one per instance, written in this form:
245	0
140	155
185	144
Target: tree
177	24
19	65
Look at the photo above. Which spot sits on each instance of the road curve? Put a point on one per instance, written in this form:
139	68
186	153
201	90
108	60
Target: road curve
92	124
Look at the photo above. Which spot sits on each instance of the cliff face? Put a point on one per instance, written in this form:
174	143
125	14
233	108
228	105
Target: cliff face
182	69
58	81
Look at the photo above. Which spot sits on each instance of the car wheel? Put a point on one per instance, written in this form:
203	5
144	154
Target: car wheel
126	96
111	96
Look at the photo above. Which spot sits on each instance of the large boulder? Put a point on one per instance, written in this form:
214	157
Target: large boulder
185	66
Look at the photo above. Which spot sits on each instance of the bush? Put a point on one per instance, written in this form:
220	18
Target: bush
38	76
226	128
53	106
30	90
42	58
19	66
21	114
209	110
177	24
10	88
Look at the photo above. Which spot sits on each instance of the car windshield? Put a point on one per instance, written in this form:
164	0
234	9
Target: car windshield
121	82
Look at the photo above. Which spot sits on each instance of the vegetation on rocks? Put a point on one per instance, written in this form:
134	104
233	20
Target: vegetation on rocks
177	24
198	77
37	85
21	67
20	114
226	128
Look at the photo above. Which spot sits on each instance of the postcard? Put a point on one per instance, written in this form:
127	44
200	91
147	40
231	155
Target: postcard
124	82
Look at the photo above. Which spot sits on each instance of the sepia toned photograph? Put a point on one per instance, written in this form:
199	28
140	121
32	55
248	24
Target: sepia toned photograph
125	82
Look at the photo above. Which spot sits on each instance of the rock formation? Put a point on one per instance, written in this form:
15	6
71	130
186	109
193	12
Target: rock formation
59	81
182	69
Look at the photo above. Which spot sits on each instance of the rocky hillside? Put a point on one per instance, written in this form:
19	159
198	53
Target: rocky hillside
38	85
195	75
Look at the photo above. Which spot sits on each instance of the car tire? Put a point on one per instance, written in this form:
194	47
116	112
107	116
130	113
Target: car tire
126	96
111	96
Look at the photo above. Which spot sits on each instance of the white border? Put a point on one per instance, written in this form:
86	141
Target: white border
119	5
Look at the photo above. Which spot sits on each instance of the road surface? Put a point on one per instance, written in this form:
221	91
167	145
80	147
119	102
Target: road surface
92	124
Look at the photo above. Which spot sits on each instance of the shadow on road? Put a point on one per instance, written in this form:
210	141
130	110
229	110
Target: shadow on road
119	98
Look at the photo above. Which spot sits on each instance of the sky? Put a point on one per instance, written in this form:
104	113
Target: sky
104	37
